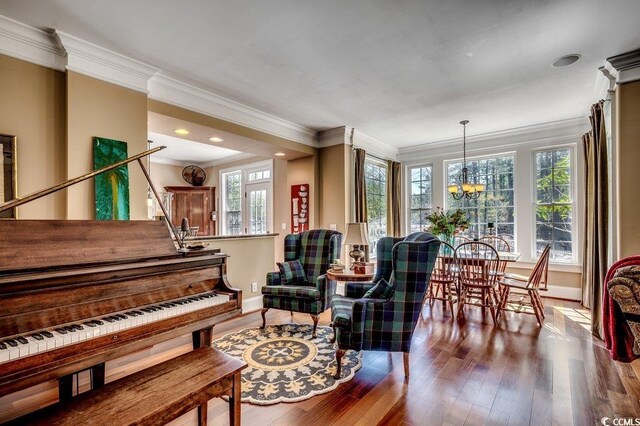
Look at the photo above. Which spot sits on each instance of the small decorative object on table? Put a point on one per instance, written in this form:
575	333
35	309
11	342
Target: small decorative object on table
447	224
337	266
363	267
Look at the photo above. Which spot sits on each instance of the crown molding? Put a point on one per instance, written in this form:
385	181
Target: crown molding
229	159
627	66
332	137
212	163
167	89
563	131
30	44
97	62
371	144
170	162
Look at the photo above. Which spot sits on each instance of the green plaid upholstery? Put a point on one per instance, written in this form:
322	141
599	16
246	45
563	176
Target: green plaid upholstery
315	249
274	278
303	292
382	290
307	306
291	272
341	311
357	290
388	325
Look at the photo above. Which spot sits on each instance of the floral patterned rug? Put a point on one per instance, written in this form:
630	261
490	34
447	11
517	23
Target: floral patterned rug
286	364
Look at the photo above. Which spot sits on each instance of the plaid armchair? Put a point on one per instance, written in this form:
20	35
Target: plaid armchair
386	325
315	249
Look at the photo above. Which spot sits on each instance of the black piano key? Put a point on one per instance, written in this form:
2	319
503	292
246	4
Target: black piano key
77	327
11	343
132	314
109	319
61	330
37	336
122	316
3	345
47	334
69	328
98	322
147	310
89	324
22	340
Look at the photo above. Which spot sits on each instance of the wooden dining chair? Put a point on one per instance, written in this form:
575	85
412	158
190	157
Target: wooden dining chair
524	289
444	281
477	263
501	245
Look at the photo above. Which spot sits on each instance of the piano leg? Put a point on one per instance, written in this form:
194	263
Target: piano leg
97	376
202	338
65	388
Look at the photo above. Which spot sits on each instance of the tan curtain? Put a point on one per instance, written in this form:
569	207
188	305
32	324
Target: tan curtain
594	262
360	190
394	182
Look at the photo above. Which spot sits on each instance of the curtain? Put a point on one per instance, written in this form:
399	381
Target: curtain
360	190
596	221
394	182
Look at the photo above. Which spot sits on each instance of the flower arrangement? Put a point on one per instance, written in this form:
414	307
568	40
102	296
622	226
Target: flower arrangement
447	223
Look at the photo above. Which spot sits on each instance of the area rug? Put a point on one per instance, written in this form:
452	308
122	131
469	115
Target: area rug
286	364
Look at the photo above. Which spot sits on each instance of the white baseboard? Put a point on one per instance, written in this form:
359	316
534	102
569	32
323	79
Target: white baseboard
251	304
562	292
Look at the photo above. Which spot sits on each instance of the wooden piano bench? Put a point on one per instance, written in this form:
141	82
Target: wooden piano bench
156	395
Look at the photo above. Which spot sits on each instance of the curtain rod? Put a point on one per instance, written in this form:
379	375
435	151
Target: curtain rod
353	147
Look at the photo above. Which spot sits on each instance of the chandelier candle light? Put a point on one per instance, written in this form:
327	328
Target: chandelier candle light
464	188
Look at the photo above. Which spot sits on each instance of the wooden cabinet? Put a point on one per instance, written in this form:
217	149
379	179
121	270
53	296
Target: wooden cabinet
197	204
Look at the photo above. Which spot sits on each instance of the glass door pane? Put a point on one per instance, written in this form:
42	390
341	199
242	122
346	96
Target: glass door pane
257	201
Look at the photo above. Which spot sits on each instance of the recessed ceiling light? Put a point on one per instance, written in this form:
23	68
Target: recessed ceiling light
565	60
182	131
280	154
216	139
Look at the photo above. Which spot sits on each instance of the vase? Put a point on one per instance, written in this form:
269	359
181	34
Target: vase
449	239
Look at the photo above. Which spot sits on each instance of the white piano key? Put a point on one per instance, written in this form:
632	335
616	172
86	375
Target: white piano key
4	355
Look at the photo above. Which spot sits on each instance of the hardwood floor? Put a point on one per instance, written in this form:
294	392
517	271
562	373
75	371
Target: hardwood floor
468	373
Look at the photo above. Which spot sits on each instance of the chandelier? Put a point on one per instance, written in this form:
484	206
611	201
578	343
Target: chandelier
464	188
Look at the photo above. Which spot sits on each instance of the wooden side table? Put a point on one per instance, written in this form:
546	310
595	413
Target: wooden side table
345	276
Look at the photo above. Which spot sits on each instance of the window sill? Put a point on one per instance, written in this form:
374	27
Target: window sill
553	267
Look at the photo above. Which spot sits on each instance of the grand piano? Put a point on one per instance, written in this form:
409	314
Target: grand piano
77	293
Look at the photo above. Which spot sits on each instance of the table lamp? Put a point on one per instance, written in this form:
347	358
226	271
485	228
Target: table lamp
357	236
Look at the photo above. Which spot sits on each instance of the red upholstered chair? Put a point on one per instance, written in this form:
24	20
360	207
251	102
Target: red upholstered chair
618	337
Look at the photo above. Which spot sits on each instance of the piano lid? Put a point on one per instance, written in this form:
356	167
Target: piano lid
34	244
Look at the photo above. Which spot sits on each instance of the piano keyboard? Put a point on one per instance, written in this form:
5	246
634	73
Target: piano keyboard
56	337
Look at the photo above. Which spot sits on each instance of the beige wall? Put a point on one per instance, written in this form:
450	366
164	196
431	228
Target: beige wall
250	260
628	154
335	193
166	175
33	110
97	108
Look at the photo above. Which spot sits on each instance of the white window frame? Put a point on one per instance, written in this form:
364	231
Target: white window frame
409	198
380	163
447	199
244	182
575	219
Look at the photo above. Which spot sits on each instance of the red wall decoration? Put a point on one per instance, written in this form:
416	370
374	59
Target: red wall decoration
299	208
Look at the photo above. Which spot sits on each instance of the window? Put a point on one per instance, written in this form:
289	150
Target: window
496	204
554	203
246	200
420	201
232	207
376	192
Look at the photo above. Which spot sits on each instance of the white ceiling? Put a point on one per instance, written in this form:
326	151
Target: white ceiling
405	72
183	150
